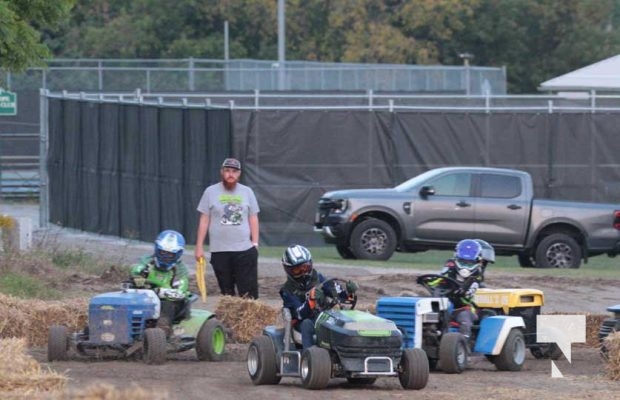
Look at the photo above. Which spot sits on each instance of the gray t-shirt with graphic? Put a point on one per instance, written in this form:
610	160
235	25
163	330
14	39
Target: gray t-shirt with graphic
228	211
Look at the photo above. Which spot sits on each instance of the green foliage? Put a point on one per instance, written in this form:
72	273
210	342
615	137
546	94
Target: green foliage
535	39
21	22
27	287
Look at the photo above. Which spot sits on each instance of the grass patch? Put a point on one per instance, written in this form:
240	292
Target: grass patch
27	287
72	258
600	267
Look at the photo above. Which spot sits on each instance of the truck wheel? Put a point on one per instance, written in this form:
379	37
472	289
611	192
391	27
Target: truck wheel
453	353
345	252
316	368
211	341
512	356
262	362
154	346
526	261
558	251
546	351
57	343
413	369
373	239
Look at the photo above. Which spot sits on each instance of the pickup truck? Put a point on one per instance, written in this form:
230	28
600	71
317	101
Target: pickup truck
437	208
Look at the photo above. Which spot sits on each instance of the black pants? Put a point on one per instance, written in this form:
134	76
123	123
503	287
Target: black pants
237	269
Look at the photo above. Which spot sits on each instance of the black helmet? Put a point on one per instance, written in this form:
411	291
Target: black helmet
297	262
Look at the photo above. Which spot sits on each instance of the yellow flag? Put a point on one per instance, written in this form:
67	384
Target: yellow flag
201	278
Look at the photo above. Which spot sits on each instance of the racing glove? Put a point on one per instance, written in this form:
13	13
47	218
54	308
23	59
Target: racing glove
315	298
352	287
170	294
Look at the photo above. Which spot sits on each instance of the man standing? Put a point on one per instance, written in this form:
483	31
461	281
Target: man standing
229	214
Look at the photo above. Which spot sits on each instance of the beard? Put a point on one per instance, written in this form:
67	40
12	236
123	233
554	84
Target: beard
229	185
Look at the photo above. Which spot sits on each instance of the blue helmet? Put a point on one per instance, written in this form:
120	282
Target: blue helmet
169	247
468	256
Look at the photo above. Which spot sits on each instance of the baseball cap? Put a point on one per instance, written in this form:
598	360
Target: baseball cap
231	163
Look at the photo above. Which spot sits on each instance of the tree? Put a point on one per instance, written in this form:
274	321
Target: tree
21	23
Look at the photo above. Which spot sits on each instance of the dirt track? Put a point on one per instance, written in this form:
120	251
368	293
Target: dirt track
184	378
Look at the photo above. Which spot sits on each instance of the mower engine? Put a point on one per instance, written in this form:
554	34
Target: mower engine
121	317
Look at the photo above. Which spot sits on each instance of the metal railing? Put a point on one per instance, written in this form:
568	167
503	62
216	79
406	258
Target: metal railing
19	173
193	75
371	101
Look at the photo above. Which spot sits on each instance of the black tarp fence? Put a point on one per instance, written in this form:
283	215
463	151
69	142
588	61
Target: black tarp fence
132	170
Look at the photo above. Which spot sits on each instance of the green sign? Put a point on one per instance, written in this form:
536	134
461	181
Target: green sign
8	103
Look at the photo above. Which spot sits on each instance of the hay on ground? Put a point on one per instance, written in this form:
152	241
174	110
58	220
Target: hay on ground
22	375
612	345
31	319
593	324
108	392
245	317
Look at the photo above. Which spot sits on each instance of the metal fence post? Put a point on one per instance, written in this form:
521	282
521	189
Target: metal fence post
43	146
191	74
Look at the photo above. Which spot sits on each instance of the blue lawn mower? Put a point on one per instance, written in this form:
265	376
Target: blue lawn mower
124	324
426	324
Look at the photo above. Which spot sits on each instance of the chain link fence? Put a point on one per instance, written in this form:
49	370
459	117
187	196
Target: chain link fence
203	75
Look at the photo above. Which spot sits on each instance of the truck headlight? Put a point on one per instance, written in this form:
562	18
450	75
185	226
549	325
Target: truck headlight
340	206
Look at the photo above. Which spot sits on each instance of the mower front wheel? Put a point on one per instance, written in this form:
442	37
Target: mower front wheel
211	341
413	370
316	368
57	343
262	362
547	351
154	350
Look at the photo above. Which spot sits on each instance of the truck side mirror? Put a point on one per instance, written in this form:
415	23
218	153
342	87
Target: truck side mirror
427	191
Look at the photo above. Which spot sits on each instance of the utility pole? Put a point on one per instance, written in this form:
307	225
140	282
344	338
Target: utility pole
281	44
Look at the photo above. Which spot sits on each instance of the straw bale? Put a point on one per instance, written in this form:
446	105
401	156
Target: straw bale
593	324
245	317
612	367
31	319
21	374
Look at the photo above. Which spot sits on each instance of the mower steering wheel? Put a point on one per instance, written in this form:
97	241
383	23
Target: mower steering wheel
439	285
332	296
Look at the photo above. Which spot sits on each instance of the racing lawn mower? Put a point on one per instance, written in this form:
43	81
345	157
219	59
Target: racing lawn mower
426	324
350	344
125	323
525	303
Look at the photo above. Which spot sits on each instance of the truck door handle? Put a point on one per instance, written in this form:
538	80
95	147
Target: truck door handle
463	204
514	207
